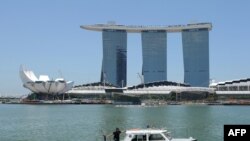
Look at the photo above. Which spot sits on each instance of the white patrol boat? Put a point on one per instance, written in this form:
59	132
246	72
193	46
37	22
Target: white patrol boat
151	134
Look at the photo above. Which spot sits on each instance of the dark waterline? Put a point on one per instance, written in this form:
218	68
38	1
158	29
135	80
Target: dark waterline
85	122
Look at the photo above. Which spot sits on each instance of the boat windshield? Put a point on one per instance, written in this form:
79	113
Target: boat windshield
158	137
139	138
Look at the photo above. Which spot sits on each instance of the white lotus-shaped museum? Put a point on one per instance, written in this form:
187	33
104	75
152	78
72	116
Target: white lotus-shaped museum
44	84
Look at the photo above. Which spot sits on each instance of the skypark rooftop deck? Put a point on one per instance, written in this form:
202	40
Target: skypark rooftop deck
138	29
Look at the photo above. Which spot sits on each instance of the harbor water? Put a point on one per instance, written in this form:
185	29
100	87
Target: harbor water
89	122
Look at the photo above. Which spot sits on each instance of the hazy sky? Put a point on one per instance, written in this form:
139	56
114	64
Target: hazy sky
45	36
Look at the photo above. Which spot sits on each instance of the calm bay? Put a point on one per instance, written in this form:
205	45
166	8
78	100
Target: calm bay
88	122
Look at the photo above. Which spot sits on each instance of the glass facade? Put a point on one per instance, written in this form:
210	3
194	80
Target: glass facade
154	55
114	63
196	57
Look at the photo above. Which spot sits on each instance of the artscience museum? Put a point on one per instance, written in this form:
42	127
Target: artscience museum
43	84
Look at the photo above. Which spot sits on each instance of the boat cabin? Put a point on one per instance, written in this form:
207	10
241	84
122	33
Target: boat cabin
152	135
147	135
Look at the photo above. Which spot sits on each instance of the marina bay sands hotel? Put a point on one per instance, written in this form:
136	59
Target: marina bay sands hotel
195	40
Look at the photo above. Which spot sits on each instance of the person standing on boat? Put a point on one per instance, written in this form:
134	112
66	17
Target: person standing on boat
116	134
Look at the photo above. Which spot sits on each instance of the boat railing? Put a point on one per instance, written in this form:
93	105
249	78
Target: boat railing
110	137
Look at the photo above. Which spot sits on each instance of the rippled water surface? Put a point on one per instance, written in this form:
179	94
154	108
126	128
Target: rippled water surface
85	122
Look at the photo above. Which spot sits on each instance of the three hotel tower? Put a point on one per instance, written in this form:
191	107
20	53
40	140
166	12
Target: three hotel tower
195	40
